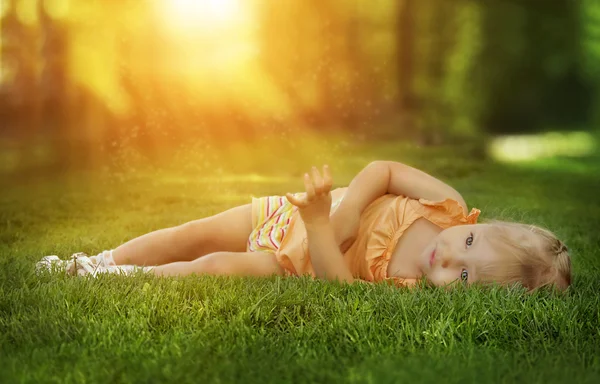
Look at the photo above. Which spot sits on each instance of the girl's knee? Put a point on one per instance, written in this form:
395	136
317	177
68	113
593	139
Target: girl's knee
239	264
194	233
213	264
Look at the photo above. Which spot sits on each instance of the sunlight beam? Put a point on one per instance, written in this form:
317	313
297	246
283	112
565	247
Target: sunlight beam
190	16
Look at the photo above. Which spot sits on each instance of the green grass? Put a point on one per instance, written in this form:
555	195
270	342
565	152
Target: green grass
55	328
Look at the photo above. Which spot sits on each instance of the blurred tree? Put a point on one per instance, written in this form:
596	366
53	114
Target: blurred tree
405	56
462	88
20	103
438	49
529	49
94	78
590	51
54	88
314	52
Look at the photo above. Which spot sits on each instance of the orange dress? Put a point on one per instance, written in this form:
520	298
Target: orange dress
381	225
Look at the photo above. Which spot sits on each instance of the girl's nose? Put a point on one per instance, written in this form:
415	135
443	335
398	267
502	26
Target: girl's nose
446	256
445	263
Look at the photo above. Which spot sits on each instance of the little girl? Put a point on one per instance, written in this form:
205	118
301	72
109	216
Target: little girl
392	223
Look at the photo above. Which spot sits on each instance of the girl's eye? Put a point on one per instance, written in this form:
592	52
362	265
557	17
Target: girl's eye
464	275
469	241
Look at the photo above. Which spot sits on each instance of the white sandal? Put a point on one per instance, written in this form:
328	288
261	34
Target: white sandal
80	264
50	263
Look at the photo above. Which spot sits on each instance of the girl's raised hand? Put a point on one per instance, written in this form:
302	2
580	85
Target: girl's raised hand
314	204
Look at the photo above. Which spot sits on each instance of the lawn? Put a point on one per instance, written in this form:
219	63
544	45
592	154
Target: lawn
55	328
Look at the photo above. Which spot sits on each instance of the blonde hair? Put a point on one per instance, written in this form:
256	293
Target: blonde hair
531	256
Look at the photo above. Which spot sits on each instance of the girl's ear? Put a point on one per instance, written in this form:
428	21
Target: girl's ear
535	276
530	276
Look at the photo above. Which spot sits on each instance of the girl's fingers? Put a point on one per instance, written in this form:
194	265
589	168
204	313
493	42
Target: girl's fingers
327	179
316	185
310	188
295	200
317	181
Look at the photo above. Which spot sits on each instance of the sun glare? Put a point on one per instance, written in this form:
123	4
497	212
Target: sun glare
192	15
207	40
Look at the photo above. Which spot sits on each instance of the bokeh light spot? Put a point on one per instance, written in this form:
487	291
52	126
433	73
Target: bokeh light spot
4	8
27	11
57	9
518	148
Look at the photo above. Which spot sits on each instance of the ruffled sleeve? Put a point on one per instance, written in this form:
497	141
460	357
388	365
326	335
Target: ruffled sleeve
446	213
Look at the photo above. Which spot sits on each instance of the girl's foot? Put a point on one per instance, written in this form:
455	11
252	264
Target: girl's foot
50	263
54	263
80	264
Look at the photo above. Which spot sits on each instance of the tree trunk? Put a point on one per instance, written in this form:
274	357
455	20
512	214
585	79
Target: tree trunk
405	52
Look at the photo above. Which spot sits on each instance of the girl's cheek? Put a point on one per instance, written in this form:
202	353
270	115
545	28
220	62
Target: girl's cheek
435	278
442	277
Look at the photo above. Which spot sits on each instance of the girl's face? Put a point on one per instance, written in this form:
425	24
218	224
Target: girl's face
456	253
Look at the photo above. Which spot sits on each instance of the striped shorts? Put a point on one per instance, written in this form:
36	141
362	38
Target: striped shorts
271	218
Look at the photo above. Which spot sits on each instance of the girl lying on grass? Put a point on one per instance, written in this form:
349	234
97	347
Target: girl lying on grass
393	222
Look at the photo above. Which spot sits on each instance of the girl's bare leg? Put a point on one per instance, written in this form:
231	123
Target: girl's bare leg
225	263
227	231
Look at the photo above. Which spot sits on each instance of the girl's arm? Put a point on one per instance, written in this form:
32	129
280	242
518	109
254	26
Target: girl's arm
314	207
380	178
388	177
325	255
